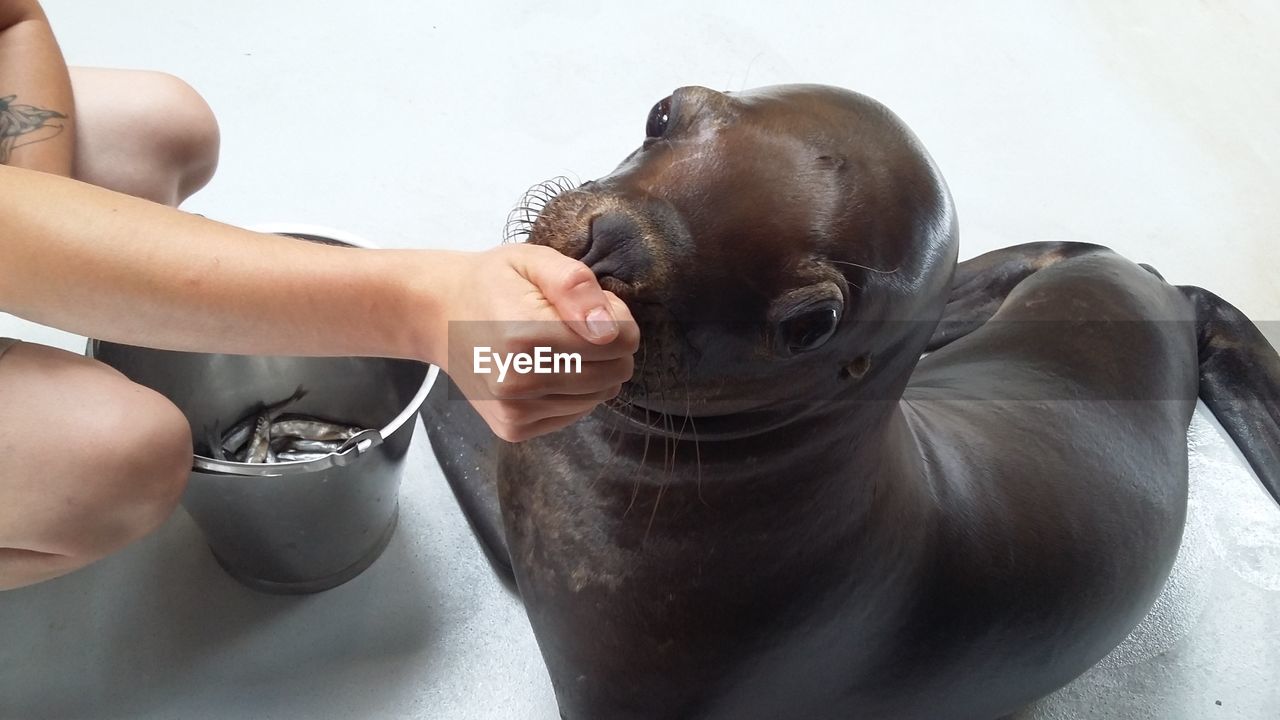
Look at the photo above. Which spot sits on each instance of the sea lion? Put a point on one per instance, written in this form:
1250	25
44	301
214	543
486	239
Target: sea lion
790	513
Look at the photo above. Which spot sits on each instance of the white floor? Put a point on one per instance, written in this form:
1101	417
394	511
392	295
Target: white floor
1152	127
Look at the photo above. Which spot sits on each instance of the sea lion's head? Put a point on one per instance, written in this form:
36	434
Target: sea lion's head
780	248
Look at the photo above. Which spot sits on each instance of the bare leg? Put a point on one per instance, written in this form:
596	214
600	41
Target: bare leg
89	462
143	133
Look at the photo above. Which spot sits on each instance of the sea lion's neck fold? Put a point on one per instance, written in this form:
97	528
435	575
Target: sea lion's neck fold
845	457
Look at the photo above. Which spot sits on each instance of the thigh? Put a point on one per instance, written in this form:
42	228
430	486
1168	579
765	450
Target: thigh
79	443
144	133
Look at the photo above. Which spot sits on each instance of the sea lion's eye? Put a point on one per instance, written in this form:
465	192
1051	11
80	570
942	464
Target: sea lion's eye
809	330
659	116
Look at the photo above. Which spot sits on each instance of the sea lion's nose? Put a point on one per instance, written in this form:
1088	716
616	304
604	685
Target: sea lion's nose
616	247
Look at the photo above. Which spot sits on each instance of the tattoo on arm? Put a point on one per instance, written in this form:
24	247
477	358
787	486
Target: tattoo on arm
19	120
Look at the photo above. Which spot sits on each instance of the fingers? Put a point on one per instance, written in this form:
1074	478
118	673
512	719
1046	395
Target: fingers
520	420
628	339
573	290
594	378
567	346
525	337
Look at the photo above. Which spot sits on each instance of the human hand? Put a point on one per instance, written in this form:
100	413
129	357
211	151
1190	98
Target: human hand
515	299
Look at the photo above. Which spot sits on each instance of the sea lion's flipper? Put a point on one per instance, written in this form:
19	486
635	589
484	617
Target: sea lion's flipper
1240	382
981	284
468	454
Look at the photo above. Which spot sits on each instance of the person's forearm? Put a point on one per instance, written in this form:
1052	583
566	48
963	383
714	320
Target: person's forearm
110	266
36	106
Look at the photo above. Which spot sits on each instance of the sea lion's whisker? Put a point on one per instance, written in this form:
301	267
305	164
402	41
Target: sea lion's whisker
653	515
684	424
644	454
688	406
865	267
613	452
635	490
693	424
697	457
668	426
522	217
668	461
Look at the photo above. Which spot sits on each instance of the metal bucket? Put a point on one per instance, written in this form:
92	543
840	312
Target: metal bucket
295	527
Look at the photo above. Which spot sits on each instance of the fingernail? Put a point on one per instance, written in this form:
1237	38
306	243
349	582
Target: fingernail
600	323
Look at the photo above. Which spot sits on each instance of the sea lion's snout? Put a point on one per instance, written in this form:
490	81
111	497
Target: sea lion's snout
614	249
628	239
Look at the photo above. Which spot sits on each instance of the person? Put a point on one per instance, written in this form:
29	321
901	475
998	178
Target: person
91	163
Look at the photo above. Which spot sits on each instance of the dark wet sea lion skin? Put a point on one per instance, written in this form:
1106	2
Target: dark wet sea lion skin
927	557
855	532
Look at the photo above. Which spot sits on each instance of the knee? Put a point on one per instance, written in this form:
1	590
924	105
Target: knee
139	452
185	133
158	458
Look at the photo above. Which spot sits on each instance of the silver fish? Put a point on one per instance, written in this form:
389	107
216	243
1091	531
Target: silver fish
238	436
287	456
314	430
260	442
297	445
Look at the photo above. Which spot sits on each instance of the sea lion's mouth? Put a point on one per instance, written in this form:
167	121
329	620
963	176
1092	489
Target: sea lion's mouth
630	416
623	289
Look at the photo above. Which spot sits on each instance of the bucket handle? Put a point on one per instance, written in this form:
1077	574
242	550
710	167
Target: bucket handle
356	445
353	448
